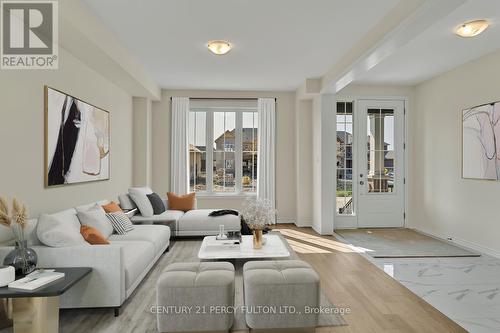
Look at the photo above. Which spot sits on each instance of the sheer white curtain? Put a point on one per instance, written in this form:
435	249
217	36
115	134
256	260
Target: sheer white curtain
266	178
179	157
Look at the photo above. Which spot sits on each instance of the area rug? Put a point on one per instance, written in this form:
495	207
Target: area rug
136	313
401	243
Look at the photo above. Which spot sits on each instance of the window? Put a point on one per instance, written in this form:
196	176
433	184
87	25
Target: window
229	163
344	199
197	152
249	149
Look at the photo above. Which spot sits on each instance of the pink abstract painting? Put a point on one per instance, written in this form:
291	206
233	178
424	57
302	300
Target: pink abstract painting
481	142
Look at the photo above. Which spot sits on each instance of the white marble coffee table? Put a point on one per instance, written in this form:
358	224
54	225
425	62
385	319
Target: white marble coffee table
273	248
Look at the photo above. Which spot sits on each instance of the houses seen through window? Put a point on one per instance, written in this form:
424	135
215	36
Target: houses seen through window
344	197
228	164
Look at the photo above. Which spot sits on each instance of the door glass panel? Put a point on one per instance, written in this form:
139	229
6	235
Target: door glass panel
380	152
344	201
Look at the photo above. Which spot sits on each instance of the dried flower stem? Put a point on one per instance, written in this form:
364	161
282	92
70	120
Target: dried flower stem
16	220
4	206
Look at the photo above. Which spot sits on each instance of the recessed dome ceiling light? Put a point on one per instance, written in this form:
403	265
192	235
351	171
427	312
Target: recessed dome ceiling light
472	28
219	47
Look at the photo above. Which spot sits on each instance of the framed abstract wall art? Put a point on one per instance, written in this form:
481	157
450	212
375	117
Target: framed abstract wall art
481	142
77	138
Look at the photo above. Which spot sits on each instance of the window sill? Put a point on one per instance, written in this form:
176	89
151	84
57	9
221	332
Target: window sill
226	195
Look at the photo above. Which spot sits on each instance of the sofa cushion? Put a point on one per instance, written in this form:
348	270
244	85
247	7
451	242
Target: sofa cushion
126	202
199	221
121	222
158	235
137	255
92	235
30	233
157	203
96	218
167	216
112	207
7	237
139	196
83	208
60	229
184	202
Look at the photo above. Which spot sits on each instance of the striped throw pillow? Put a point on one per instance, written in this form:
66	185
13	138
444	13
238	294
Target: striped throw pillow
121	223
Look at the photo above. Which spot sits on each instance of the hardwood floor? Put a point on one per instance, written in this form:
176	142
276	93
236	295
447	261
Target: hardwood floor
377	302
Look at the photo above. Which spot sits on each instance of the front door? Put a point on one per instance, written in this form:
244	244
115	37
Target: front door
380	171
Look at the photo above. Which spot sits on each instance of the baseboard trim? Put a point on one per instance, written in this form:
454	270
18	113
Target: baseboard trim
315	228
303	223
283	220
341	226
463	243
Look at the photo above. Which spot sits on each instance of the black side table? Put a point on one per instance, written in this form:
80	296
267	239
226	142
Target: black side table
38	310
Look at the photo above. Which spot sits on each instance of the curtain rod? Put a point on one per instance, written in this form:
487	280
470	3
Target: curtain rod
229	98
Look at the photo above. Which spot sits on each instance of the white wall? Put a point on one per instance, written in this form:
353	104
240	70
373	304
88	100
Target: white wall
365	91
304	165
142	161
285	148
22	134
316	164
441	202
323	163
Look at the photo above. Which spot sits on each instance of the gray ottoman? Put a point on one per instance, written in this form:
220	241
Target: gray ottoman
277	294
191	296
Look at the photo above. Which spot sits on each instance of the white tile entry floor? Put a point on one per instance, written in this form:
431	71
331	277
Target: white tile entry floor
467	290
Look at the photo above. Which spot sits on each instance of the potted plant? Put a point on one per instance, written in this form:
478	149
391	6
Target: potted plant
22	258
258	213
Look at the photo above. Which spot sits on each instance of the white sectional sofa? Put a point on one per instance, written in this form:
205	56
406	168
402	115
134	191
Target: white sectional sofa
117	268
195	222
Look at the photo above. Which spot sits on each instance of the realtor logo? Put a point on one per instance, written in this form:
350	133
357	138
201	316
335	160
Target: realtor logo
29	34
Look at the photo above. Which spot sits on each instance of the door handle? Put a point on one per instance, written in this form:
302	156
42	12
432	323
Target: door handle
361	183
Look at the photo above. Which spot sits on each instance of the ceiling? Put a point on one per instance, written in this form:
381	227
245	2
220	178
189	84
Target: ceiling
277	44
437	49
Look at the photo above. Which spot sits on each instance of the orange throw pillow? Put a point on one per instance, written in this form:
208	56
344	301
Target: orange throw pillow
92	235
112	207
181	202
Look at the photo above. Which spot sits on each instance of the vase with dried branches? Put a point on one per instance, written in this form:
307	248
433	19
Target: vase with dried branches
258	213
22	258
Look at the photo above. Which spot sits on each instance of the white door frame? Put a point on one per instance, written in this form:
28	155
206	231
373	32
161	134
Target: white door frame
350	222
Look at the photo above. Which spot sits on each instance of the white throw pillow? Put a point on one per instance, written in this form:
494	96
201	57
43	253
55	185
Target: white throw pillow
126	202
84	208
7	237
60	230
139	196
96	217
